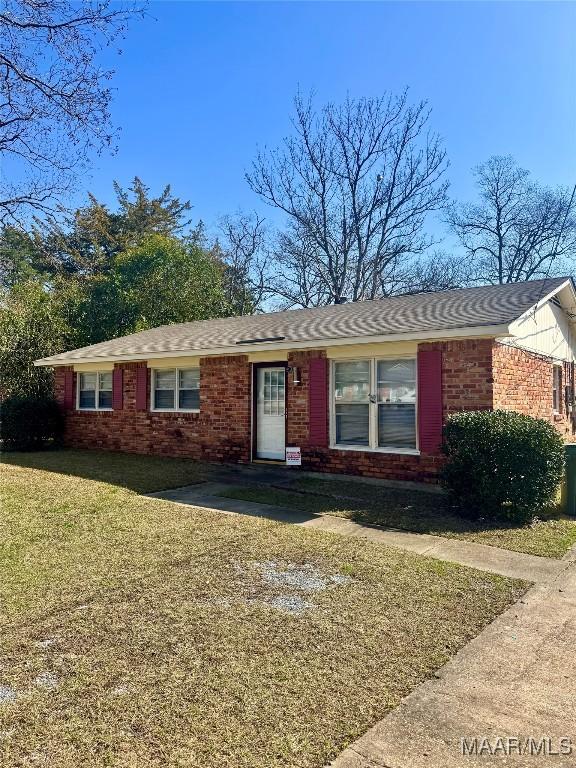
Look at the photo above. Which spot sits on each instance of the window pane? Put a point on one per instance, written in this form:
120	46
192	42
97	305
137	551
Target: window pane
556	386
106	380
189	388
87	381
397	425
164	398
88	398
352	381
189	398
164	387
165	379
105	399
396	381
352	424
190	379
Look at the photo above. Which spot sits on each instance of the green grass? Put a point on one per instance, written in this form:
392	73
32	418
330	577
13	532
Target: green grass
143	474
159	633
412	511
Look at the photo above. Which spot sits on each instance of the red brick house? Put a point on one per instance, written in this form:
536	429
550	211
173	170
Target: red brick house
361	388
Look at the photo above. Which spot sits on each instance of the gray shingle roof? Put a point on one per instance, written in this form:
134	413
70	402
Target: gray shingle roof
489	305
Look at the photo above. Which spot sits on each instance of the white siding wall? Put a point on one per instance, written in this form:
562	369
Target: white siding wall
549	331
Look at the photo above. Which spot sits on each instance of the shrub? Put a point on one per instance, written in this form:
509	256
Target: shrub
29	423
502	464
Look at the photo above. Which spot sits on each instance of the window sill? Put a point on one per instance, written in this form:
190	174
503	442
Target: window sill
174	410
94	410
367	449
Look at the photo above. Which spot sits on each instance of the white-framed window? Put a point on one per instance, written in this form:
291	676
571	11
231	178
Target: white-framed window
557	388
176	389
95	391
373	404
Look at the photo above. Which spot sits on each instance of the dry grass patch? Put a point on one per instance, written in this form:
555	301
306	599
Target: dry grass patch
419	511
137	632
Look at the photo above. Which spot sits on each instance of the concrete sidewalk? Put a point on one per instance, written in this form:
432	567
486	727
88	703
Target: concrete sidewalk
517	679
503	562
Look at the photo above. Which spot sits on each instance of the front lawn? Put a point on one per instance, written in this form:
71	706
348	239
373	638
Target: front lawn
136	632
127	470
422	512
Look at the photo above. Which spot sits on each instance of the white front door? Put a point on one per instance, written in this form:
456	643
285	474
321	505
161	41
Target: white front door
271	413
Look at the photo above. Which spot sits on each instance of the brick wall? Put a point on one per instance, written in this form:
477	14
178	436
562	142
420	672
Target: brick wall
297	396
523	383
467	377
220	432
467	385
477	374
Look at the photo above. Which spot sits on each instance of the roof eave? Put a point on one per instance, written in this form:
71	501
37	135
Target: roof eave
569	282
432	335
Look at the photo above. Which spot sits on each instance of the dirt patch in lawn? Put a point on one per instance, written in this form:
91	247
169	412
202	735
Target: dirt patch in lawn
136	632
411	510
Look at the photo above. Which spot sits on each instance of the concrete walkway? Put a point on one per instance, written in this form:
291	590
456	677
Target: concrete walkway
504	562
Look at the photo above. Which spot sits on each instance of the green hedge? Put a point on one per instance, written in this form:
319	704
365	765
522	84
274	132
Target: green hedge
30	423
502	464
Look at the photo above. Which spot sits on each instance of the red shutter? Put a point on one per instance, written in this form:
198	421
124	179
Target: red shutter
318	402
141	388
68	390
429	400
117	392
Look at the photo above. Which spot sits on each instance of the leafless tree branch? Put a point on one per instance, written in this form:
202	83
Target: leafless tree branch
242	249
518	230
356	182
54	96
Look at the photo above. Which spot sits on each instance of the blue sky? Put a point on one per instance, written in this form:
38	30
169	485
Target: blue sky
199	86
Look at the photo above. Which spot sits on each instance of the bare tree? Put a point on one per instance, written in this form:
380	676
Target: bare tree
356	182
242	249
294	278
54	96
439	272
518	230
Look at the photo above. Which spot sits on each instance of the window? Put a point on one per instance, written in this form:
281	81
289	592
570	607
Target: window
273	395
374	404
352	402
397	403
176	389
556	388
95	391
189	389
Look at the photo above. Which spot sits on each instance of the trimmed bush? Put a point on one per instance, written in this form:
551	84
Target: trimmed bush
501	464
30	423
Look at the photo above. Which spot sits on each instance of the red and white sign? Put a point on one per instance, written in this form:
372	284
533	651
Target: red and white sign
293	457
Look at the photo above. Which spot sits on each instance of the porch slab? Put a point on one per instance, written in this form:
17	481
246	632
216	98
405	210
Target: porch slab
481	556
279	473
